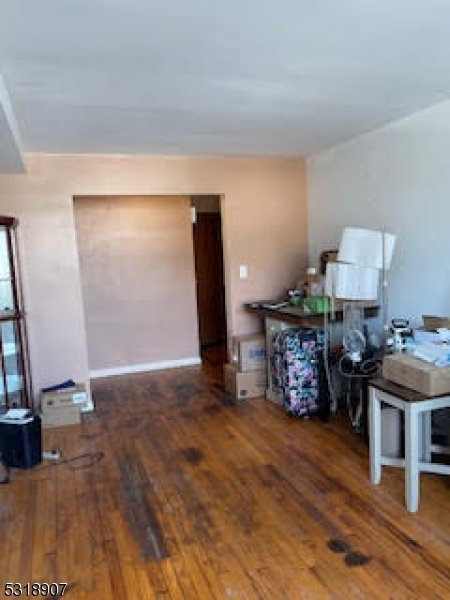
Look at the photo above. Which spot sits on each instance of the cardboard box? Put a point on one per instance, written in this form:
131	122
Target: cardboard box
75	395
431	323
248	352
250	384
422	336
61	416
417	374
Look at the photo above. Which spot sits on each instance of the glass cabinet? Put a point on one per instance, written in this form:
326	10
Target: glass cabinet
14	367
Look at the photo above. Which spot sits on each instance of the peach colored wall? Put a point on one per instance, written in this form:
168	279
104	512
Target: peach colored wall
137	275
263	215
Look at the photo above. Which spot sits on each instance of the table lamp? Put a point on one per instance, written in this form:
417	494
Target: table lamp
363	255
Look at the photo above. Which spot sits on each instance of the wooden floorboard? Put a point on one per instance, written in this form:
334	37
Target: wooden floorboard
171	490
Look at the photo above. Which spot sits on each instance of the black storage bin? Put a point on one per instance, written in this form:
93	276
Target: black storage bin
21	445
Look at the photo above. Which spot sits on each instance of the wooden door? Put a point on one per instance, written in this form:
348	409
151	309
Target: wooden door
209	274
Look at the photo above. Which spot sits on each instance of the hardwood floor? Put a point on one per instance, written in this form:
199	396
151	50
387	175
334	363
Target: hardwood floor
172	491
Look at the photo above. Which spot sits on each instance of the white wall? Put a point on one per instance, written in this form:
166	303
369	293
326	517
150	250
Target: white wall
397	177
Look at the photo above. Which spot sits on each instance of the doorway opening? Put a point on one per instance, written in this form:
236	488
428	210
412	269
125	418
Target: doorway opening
210	280
138	282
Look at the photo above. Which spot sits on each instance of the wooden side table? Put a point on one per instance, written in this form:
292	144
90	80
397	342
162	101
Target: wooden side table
417	409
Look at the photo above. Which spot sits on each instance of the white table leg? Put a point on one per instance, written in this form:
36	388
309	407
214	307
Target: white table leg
412	491
374	436
426	436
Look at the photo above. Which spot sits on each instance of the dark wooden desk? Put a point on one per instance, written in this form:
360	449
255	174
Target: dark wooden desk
296	315
385	385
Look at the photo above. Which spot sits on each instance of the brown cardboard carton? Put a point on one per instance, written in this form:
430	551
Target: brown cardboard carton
250	384
61	416
75	395
421	336
432	323
249	352
417	374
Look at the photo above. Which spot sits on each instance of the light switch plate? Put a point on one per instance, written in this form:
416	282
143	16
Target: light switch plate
243	272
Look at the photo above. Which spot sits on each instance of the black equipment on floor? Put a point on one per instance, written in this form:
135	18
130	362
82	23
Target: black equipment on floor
21	444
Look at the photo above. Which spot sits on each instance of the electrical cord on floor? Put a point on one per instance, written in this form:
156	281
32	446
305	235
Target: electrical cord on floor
360	370
5	472
81	461
366	368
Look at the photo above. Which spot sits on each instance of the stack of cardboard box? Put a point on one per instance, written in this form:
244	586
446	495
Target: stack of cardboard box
246	375
63	407
416	374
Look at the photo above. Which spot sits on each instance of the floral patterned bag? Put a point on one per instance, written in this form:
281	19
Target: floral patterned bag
295	369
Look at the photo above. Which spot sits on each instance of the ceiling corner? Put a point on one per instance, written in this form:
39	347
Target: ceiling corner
12	158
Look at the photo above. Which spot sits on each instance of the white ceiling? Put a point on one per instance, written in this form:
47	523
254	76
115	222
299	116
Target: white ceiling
258	77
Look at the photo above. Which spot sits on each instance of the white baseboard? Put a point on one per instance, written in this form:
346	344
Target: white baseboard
142	368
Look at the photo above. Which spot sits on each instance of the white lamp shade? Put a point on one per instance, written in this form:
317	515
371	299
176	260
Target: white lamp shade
364	247
351	282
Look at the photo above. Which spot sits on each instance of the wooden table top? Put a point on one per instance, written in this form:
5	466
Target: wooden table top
385	385
298	316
